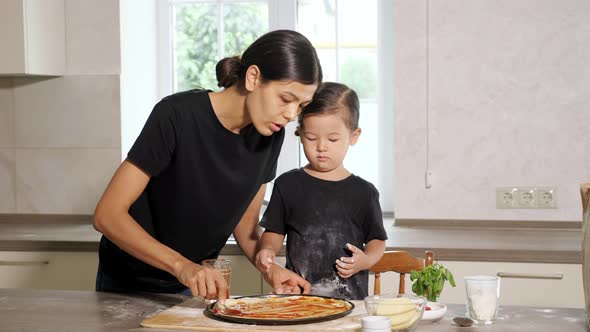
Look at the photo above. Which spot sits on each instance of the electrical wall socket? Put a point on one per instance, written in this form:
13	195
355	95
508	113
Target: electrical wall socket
526	198
506	198
546	197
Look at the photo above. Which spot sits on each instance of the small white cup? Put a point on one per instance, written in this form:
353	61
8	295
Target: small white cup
376	324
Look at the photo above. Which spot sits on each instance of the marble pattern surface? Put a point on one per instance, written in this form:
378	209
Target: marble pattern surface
507	99
33	310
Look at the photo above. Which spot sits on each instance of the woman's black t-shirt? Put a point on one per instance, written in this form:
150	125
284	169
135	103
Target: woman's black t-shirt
203	177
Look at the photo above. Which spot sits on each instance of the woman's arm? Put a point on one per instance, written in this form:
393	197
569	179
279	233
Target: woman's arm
112	218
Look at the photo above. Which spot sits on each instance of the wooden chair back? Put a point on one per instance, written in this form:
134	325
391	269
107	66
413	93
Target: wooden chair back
585	191
401	262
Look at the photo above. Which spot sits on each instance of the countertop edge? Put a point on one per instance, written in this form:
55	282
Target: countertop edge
540	255
442	254
65	246
471	255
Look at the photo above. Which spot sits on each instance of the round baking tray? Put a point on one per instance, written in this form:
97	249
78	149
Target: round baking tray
279	321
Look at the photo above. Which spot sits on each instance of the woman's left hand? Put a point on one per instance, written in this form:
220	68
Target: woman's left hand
348	266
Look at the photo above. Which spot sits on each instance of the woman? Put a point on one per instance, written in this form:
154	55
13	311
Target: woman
198	172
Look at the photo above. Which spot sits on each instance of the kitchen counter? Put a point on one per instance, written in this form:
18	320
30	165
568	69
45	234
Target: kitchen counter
453	240
42	310
491	241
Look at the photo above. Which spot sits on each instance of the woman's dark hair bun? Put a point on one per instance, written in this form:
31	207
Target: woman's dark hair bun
279	55
228	71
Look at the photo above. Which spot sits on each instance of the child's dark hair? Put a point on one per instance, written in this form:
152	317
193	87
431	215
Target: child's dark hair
330	98
280	55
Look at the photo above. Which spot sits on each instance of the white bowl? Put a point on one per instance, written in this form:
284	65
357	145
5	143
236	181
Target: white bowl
436	312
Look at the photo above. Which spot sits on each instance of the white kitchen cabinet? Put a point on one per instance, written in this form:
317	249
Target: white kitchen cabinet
77	271
48	270
562	293
32	37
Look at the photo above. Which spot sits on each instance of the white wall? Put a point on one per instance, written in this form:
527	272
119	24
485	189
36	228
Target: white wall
501	90
60	136
138	67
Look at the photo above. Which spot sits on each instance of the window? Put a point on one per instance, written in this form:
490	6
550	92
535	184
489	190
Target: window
352	41
202	32
345	36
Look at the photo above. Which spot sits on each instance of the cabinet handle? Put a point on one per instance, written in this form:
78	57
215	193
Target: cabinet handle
556	276
23	263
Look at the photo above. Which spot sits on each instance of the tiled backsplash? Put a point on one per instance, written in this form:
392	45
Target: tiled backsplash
60	137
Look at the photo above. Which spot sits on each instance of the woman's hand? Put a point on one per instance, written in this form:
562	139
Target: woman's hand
348	266
265	259
286	282
203	281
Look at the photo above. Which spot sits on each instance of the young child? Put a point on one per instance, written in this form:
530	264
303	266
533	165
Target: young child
332	218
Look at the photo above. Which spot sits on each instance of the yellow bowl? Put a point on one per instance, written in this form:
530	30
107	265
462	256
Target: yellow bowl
404	310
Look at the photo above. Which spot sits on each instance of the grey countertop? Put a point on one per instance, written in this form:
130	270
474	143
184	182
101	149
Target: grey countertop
506	241
498	241
42	310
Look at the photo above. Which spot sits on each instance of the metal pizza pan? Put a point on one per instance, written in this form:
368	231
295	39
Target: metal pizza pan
279	321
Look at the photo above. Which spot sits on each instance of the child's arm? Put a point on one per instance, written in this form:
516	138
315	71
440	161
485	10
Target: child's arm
360	260
270	244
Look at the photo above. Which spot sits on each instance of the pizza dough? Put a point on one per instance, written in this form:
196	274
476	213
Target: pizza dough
279	308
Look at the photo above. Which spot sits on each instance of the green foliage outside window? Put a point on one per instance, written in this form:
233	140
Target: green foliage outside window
196	50
195	39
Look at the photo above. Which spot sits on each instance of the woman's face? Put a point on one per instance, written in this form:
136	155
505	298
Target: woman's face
273	104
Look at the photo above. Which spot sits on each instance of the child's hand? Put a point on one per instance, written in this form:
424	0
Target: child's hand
264	260
347	266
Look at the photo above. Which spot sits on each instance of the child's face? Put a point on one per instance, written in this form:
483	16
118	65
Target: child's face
325	139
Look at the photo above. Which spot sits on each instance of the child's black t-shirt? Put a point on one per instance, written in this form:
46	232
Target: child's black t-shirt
203	178
319	217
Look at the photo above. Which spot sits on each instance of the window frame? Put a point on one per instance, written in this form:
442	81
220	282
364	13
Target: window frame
282	14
